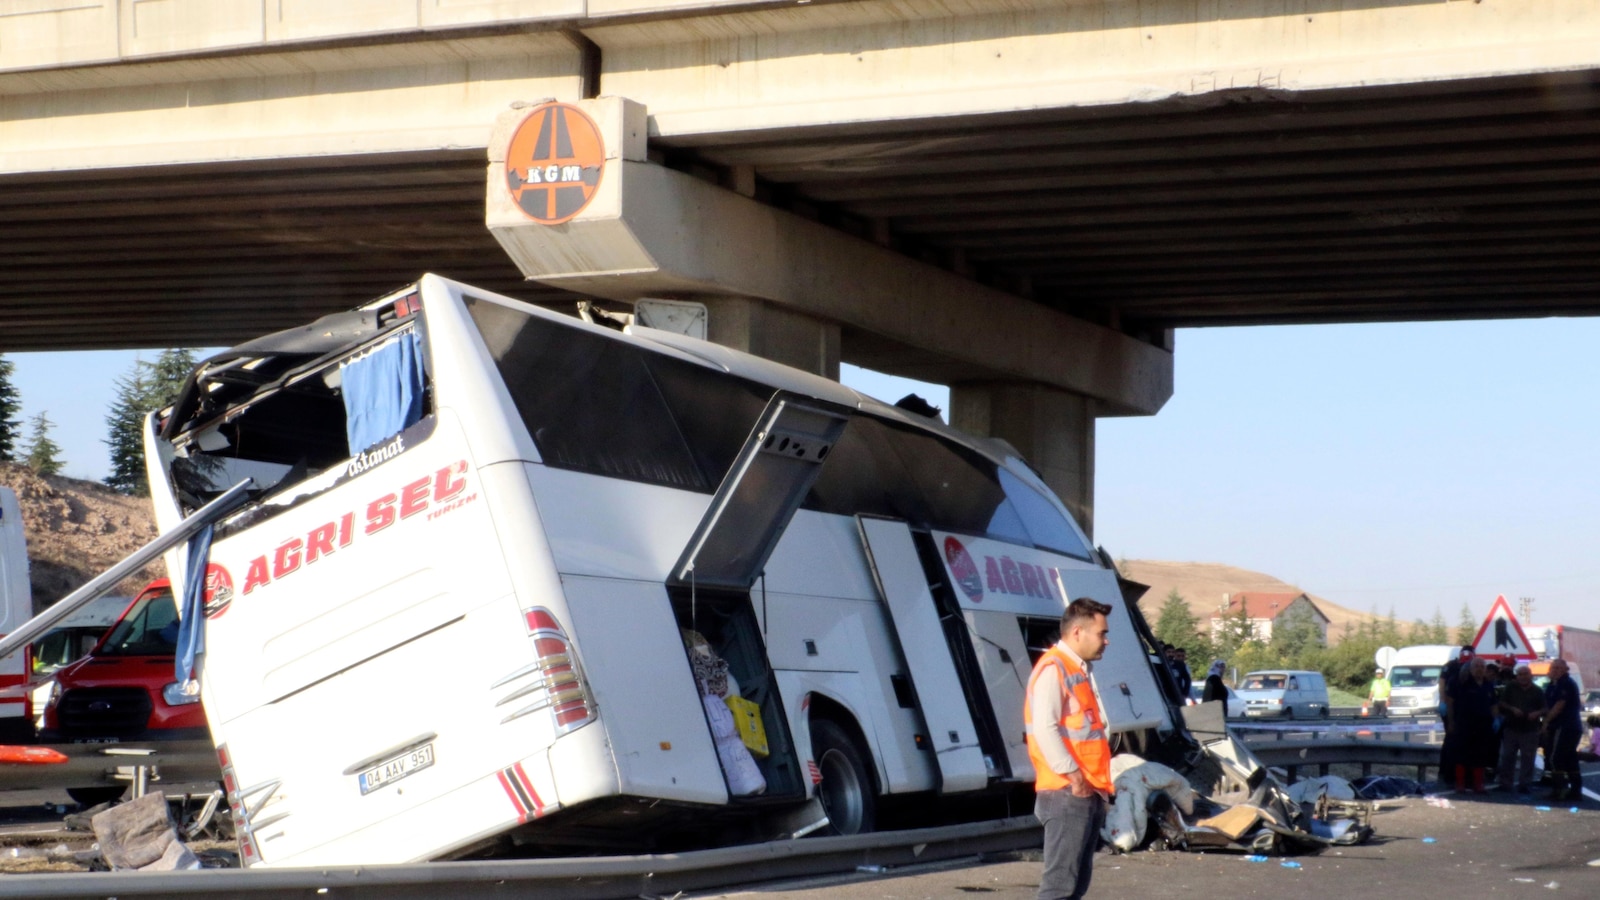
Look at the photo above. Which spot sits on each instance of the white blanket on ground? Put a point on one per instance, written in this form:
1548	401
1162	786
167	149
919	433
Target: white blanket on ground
1135	780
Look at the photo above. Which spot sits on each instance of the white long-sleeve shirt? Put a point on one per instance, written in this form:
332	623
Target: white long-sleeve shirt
1044	714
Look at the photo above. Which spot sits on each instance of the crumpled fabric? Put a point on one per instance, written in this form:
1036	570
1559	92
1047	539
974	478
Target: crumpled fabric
1309	790
1135	780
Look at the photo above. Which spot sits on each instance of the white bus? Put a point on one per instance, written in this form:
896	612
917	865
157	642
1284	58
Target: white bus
467	608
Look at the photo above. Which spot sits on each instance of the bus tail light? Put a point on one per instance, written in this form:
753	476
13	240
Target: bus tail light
559	686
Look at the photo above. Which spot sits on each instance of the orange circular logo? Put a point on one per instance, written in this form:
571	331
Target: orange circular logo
554	163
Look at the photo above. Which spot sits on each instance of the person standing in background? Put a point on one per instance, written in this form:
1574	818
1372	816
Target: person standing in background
1070	752
1378	694
1521	707
1180	669
1565	726
1215	689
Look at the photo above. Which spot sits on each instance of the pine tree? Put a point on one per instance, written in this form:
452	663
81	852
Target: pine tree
124	423
167	375
1438	629
146	387
1467	627
10	407
1177	625
43	454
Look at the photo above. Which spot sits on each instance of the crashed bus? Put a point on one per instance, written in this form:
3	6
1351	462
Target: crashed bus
504	574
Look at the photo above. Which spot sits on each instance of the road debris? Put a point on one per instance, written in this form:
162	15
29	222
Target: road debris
141	834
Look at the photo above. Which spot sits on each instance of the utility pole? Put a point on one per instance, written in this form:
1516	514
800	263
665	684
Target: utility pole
1526	605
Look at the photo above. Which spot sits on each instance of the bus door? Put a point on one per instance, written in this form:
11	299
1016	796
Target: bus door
710	584
1129	695
943	697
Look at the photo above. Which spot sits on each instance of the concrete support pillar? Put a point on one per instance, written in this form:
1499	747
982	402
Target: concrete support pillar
774	332
1053	429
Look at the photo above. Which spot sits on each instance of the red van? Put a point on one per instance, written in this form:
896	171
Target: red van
124	689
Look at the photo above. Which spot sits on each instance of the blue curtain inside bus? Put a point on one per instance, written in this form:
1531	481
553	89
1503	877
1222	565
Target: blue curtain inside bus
382	392
191	625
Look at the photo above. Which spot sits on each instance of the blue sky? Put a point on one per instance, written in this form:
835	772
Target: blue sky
1410	466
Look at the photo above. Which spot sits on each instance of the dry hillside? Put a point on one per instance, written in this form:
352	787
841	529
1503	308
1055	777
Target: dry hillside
1203	585
76	530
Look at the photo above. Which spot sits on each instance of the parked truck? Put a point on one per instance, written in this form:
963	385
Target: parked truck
1580	647
503	573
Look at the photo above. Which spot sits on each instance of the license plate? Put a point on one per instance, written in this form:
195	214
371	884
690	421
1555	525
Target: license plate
391	770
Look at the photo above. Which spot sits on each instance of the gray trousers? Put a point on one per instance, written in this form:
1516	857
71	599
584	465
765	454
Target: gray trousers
1071	834
1512	745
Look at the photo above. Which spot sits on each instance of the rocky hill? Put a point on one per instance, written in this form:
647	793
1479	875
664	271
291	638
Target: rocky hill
1202	586
76	530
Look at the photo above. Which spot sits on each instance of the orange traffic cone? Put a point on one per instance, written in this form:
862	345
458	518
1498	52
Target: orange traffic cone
1363	710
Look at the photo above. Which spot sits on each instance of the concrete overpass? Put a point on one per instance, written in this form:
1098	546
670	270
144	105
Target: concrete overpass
1020	199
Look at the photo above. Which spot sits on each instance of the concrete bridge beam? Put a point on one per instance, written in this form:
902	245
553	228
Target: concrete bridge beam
787	289
650	231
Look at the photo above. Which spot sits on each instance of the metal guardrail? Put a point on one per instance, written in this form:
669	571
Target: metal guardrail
89	765
590	878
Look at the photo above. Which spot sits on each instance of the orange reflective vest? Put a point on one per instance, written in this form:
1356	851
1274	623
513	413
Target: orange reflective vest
1085	731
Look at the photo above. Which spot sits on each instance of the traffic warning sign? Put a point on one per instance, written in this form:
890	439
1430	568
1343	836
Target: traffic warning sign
1501	634
554	162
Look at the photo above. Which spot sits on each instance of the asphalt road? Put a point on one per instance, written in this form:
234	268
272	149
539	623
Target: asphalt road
1490	846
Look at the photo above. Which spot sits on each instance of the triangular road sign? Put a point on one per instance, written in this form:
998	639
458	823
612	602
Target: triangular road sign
1501	634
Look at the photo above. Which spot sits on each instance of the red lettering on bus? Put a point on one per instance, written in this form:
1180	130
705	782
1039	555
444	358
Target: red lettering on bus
319	542
257	576
444	486
414	498
380	513
287	559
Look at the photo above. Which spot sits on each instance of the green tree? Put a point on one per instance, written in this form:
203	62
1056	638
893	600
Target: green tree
1231	634
1253	656
124	422
10	408
1177	625
1437	630
1467	626
145	387
1349	663
43	455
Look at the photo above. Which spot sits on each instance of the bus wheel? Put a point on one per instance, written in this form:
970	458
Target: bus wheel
94	796
846	789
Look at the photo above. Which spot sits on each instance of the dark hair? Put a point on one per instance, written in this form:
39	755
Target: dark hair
1082	609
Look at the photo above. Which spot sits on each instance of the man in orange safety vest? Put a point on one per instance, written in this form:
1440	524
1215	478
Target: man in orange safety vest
1070	753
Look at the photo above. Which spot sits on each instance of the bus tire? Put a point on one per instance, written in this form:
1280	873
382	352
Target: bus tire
846	790
94	796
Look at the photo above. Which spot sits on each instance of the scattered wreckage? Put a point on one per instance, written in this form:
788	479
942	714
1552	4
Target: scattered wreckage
1213	794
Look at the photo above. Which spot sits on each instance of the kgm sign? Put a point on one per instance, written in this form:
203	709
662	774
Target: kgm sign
554	163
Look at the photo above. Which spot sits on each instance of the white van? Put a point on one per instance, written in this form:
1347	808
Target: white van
1285	692
1414	678
16	607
